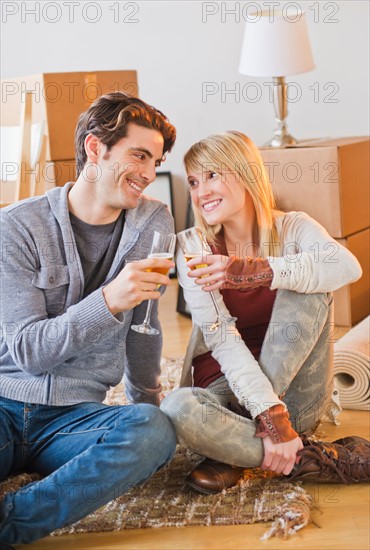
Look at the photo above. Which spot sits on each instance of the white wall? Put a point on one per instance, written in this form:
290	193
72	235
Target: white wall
177	48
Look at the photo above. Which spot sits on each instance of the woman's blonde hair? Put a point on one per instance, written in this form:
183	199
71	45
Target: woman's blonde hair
234	152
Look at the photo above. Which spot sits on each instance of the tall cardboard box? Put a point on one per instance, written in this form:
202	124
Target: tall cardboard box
352	302
59	99
328	179
56	174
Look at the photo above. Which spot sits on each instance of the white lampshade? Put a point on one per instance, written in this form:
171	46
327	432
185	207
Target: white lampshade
276	45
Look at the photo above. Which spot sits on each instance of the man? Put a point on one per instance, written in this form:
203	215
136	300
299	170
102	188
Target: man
74	275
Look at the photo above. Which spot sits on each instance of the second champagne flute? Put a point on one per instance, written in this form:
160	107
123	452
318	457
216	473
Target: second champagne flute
193	243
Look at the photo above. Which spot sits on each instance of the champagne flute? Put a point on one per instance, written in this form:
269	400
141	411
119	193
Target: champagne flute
163	246
193	244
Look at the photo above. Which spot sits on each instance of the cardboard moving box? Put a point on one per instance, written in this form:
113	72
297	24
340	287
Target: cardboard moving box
328	179
59	99
58	173
352	302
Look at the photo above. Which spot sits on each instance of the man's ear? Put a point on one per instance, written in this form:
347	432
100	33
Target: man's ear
93	148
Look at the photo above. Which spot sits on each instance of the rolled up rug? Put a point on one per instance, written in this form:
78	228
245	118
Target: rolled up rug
352	367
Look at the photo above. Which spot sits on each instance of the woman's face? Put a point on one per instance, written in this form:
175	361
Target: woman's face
219	198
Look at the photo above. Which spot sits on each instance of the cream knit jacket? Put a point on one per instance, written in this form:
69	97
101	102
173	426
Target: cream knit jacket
311	262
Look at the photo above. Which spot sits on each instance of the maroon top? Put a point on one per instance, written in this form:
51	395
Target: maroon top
253	309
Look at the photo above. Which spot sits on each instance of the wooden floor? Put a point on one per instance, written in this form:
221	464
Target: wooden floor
340	518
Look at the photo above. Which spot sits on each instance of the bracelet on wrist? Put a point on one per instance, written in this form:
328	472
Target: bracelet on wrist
275	423
250	278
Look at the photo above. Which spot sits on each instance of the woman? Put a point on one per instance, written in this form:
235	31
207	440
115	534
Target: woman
262	383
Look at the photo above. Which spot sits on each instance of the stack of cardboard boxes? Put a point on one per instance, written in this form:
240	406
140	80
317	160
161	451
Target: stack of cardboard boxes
58	100
329	180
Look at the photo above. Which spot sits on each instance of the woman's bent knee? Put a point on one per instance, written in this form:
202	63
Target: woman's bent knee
179	402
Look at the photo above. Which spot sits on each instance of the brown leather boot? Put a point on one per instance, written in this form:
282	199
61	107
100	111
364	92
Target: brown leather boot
346	460
212	477
354	443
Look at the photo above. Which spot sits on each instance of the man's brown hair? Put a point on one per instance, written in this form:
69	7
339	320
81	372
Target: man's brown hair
108	119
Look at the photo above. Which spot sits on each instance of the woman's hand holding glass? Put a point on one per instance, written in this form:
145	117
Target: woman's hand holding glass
230	272
212	275
198	253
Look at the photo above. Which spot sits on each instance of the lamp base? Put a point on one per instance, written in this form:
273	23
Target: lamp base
284	140
281	136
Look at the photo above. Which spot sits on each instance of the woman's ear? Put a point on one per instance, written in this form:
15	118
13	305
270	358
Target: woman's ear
93	148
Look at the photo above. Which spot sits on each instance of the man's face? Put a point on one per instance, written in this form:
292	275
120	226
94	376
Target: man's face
128	167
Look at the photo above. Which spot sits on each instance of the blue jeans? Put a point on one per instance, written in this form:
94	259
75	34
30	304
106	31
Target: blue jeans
299	366
89	453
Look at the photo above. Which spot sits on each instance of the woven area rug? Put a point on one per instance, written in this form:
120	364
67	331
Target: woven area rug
165	501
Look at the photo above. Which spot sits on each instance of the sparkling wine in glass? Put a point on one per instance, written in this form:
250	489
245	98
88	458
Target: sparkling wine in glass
163	246
193	244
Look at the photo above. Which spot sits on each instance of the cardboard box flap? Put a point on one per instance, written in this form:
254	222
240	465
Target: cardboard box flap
329	181
324	142
59	99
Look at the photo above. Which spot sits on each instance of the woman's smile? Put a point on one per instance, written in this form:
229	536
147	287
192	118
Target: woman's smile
211	205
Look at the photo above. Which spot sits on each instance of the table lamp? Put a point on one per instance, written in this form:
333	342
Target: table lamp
277	45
